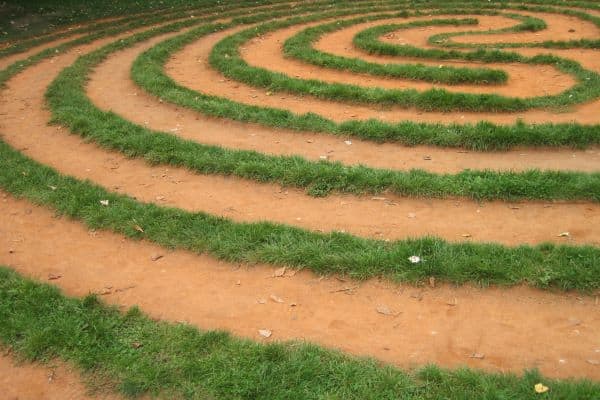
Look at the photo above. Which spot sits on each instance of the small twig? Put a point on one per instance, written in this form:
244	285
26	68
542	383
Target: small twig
346	289
124	289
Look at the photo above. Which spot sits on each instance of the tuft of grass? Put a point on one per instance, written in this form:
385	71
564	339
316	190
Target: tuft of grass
133	355
547	265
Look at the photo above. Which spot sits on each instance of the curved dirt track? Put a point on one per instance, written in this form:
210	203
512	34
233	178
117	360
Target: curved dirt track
265	52
24	125
495	329
513	328
190	68
54	381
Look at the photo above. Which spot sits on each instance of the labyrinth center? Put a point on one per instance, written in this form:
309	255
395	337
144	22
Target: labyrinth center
418	184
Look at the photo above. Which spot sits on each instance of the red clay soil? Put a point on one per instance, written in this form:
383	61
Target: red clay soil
110	88
513	328
266	52
560	28
55	381
24	126
494	329
190	68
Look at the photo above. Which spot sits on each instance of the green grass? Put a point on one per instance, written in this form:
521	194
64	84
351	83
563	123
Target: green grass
546	265
148	73
41	17
225	57
71	107
300	46
180	361
530	25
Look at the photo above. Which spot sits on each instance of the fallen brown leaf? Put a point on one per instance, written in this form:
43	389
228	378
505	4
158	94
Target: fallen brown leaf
279	272
265	333
276	299
384	310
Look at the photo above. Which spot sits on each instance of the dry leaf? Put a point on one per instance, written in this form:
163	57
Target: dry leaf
564	234
378	198
276	299
104	202
136	345
466	235
138	228
156	257
279	272
265	333
479	356
261	301
348	142
453	303
52	277
293	304
540	388
238	283
384	310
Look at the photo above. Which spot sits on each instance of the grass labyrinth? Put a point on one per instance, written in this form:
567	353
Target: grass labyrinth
416	166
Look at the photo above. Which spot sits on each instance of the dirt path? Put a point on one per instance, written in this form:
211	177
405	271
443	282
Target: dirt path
560	28
110	88
6	61
24	125
190	68
266	52
513	328
40	382
485	328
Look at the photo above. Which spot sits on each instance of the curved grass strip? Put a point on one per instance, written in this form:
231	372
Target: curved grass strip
368	40
300	47
225	57
546	265
227	11
148	72
444	39
180	361
71	107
